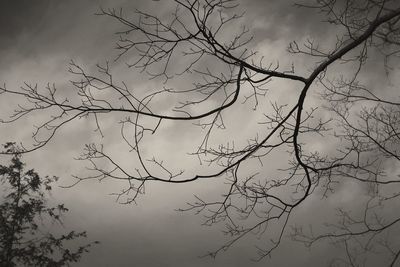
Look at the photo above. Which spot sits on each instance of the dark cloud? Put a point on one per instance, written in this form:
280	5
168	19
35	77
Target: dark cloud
21	17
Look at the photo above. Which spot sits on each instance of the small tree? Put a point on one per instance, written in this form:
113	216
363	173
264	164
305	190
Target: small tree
23	212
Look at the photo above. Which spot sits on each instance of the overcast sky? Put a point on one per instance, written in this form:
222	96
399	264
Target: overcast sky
37	41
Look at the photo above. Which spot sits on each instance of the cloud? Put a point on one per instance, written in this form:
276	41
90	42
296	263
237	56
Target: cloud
42	36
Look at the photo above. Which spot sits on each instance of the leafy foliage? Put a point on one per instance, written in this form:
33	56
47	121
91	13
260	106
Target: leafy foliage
23	214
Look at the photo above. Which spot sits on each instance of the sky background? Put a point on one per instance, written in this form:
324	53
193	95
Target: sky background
37	41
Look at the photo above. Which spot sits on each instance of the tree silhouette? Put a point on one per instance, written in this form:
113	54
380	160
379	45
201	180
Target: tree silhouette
206	73
23	215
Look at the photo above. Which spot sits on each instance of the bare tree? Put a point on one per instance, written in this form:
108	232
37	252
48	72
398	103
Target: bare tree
207	73
23	214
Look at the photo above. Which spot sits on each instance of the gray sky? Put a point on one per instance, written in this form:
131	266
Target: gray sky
37	41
